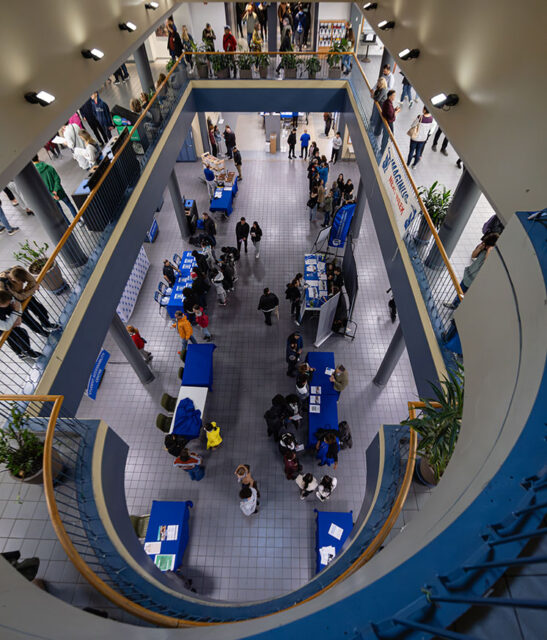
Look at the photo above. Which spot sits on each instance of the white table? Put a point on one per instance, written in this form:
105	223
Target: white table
198	395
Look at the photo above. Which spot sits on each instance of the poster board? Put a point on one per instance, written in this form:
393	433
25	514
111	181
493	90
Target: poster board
326	318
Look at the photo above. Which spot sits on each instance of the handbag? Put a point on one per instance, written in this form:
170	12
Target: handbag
413	131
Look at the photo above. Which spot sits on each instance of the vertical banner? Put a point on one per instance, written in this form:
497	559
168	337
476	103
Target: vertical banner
401	195
326	318
340	225
97	374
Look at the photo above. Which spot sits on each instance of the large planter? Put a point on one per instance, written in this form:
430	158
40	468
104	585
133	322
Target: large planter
222	74
203	70
335	72
263	71
53	280
312	74
290	73
56	468
424	473
423	234
245	74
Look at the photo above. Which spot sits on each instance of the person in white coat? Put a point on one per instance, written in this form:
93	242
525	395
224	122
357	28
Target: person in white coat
326	487
71	138
248	500
307	484
87	157
421	127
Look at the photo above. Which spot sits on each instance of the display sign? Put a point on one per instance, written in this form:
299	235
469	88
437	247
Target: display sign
97	374
401	195
340	226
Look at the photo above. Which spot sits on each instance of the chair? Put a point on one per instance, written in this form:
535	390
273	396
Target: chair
177	259
140	524
161	300
164	289
163	423
181	371
168	402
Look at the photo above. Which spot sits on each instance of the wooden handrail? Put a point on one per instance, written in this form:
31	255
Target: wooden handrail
425	213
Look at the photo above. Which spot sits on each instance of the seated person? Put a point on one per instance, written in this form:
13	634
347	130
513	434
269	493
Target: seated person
169	271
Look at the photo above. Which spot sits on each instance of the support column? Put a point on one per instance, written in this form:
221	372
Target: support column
314	7
178	205
360	204
387	58
36	195
273	26
462	205
130	351
204	131
229	10
143	68
393	354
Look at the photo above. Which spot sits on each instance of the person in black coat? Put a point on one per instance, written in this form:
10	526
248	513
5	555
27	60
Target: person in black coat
285	46
87	113
292	293
174	43
169	273
230	140
200	287
292	355
267	304
189	301
292	143
242	233
201	262
228	273
256	235
210	228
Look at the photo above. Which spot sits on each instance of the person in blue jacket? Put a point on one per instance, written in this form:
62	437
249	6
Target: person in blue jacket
304	142
101	112
323	171
327	450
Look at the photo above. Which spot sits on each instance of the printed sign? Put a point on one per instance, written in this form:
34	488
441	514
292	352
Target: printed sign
340	225
97	374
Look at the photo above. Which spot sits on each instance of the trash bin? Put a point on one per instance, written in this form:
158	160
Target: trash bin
273	143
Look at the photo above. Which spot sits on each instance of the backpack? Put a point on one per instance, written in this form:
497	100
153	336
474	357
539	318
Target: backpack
174	443
346	440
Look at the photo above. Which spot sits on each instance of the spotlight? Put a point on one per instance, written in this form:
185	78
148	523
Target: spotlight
152	5
443	101
43	98
127	26
409	54
386	24
96	54
370	5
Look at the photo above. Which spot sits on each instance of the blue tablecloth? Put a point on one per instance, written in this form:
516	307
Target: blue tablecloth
165	514
224	203
314	266
320	360
187	420
198	366
326	419
176	298
323	538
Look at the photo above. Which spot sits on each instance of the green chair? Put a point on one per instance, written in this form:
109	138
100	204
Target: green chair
140	524
168	402
163	423
181	371
183	355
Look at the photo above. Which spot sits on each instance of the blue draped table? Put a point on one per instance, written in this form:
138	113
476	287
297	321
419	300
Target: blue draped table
169	514
323	538
224	203
187	263
198	366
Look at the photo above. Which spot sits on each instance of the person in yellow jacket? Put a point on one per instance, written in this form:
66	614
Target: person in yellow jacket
184	328
214	438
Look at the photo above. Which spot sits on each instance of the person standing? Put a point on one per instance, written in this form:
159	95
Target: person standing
291	140
304	142
424	124
5	224
327	450
191	463
406	92
256	235
101	112
210	228
268	303
389	113
188	45
293	294
218	139
256	41
339	379
87	113
213	142
10	318
230	140
444	145
307	484
237	162
295	345
285	46
248	500
325	488
250	18
174	43
229	43
184	329
379	96
139	342
209	181
202	319
208	37
312	203
242	233
53	183
217	278
327	208
327	117
348	191
336	146
212	431
386	73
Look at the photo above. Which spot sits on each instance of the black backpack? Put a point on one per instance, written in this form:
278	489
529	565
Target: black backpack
346	440
174	443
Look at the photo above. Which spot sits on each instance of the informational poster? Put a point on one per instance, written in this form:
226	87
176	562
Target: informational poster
326	318
97	374
403	200
165	561
340	226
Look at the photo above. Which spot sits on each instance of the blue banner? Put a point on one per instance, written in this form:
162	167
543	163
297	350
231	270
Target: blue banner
340	226
97	374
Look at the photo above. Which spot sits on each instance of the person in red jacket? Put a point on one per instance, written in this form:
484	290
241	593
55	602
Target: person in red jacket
139	343
389	113
228	41
202	319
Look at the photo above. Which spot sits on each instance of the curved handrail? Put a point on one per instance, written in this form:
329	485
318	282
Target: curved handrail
168	621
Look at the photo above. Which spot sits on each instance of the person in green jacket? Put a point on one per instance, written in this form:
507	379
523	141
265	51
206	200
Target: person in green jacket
53	183
339	378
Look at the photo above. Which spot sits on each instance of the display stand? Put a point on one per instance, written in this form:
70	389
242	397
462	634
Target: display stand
152	233
330	32
132	288
191	214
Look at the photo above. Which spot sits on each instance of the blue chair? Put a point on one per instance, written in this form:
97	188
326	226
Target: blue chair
164	289
161	300
177	259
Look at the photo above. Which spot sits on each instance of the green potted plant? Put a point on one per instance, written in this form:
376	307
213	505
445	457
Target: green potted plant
334	57
262	61
201	62
436	200
438	427
34	257
221	65
169	65
289	62
244	64
313	66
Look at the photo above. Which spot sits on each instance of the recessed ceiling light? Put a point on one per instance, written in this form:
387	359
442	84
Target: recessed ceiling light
127	26
152	5
409	54
370	5
443	101
43	98
386	24
96	54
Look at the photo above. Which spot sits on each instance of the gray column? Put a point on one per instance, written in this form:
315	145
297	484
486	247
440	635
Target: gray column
273	26
178	205
393	354
129	350
143	68
387	58
204	131
360	204
314	8
36	195
229	10
462	205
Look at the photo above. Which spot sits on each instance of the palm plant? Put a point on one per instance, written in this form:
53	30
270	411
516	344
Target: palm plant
33	255
336	51
20	448
436	200
313	65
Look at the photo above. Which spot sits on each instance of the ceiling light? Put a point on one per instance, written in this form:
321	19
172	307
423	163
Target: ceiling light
96	54
370	5
443	101
152	5
409	54
43	98
127	26
386	24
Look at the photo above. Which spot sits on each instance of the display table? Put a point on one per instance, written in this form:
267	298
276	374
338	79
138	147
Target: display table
198	366
132	288
321	360
176	298
315	279
168	533
333	529
327	418
224	203
198	395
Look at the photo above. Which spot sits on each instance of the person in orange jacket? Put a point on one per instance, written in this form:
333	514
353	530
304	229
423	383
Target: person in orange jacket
184	328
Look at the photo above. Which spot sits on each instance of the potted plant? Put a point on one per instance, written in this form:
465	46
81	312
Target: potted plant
201	62
334	57
262	61
289	62
22	451
35	257
438	427
313	66
436	200
245	63
221	66
169	65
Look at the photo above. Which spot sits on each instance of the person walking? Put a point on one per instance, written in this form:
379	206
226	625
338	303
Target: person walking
293	294
444	145
53	183
248	500
256	236
202	320
256	40
242	233
307	484
336	146
192	463
237	162
327	117
184	328
326	487
312	203
139	342
422	126
268	303
188	45
285	46
293	352
230	140
210	228
101	111
389	113
212	431
339	379
406	92
5	224
217	278
304	143
250	19
291	140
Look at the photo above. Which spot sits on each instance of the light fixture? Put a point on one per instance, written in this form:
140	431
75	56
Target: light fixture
409	54
96	54
127	26
152	5
370	5
43	98
443	101
386	24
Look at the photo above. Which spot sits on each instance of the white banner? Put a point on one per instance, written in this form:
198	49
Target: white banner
326	318
401	195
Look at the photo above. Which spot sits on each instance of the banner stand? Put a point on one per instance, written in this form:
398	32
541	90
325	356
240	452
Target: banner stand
326	318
